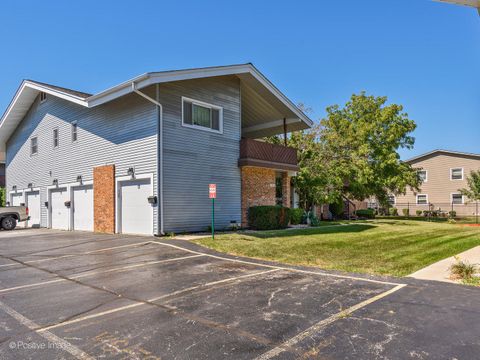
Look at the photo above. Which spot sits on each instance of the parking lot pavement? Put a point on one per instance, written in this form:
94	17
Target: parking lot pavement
83	296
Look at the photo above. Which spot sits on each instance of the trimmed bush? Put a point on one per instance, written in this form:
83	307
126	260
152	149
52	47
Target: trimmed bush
268	217
337	209
366	213
2	196
406	212
393	211
296	216
419	212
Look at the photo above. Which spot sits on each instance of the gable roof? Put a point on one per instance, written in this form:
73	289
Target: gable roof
442	152
29	90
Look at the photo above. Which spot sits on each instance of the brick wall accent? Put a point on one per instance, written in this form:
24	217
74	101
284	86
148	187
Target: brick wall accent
104	199
258	188
285	189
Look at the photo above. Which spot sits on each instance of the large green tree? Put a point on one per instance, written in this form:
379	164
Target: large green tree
472	192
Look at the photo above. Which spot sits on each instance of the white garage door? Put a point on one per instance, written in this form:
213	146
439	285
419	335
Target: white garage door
16	199
136	214
33	204
59	213
83	208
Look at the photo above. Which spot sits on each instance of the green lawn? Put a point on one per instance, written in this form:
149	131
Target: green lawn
384	246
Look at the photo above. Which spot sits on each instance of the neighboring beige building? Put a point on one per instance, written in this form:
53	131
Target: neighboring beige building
444	173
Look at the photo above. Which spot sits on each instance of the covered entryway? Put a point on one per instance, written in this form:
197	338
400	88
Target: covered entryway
59	213
135	214
32	201
82	207
16	199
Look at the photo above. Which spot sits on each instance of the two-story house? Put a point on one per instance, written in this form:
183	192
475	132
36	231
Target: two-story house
138	158
443	173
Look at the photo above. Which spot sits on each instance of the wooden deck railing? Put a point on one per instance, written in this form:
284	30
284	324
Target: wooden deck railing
257	153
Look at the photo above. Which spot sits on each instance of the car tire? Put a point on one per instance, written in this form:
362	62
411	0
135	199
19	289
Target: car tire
9	223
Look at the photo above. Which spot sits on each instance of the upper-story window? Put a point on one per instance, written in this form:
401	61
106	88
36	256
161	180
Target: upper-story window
456	174
74	131
55	138
200	115
43	97
34	145
422	175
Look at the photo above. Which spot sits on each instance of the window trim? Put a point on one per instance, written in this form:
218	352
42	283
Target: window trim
31	139
58	137
451	199
74	125
43	97
426	175
426	198
451	174
207	105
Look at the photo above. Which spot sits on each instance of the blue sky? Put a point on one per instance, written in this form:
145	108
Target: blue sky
421	54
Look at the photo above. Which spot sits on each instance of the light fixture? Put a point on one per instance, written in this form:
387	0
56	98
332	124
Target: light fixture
131	172
79	179
55	182
14	187
30	185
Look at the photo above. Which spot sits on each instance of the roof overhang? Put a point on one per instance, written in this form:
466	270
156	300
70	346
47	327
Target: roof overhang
472	3
442	152
29	90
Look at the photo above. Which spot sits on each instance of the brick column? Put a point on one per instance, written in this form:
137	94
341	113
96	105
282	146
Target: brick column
104	199
258	188
286	189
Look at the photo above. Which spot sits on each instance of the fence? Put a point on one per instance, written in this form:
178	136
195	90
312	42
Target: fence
470	209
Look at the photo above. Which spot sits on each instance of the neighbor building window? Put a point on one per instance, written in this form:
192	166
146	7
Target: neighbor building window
43	97
422	199
201	115
456	174
55	138
391	200
33	145
457	199
422	175
74	132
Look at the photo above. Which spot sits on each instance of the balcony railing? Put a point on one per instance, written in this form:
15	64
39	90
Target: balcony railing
257	153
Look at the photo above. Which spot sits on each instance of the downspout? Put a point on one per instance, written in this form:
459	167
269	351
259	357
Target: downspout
159	145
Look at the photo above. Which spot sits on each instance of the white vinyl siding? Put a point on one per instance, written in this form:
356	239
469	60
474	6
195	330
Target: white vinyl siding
201	115
456	174
422	199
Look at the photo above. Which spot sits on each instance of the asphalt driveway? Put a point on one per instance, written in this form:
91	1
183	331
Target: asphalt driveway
72	295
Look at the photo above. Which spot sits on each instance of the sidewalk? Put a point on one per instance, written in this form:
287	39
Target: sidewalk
439	271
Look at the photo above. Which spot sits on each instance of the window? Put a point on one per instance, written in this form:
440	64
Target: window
55	138
457	199
391	200
74	131
456	174
422	175
43	97
201	115
422	199
33	145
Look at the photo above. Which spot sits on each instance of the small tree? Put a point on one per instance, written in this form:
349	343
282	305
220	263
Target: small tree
473	190
2	196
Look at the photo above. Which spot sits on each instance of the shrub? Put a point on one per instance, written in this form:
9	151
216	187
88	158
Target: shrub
296	216
452	214
314	221
406	212
452	221
366	213
2	196
337	208
419	212
462	269
393	211
268	217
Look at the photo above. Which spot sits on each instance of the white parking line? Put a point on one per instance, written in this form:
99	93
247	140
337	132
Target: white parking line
280	267
75	277
175	293
51	338
323	323
80	254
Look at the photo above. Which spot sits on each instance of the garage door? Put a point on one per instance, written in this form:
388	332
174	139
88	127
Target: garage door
16	199
136	214
83	208
59	213
33	203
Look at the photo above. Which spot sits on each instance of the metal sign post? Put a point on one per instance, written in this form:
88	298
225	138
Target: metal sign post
212	193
